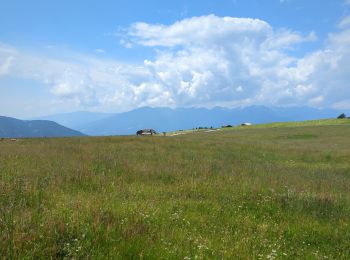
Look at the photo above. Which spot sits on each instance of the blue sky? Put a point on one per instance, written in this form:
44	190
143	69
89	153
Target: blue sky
112	56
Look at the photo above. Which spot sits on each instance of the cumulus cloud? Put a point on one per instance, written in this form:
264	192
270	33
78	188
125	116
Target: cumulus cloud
201	31
211	31
201	61
217	54
86	82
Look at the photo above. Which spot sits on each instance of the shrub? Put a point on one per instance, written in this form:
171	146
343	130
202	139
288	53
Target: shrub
342	116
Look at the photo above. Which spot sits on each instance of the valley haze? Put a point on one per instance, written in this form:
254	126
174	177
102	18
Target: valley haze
167	119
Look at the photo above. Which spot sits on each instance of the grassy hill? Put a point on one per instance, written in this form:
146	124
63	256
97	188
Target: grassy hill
263	192
15	128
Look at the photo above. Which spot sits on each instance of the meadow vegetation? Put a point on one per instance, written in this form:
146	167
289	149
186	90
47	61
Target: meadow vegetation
262	192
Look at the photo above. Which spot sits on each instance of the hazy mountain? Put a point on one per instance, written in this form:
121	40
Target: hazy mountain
166	119
75	119
15	128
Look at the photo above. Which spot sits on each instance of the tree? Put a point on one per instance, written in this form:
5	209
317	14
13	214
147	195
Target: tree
342	116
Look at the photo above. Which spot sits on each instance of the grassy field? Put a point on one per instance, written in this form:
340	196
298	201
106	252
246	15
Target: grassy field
279	191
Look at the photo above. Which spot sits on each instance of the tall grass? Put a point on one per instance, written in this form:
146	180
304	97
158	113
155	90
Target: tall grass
263	193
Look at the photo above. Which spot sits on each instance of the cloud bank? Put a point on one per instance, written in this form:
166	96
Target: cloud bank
201	61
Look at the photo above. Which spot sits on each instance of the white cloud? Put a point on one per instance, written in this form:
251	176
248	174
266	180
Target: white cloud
239	89
201	31
316	101
344	22
343	104
126	44
6	65
100	50
7	58
217	53
201	61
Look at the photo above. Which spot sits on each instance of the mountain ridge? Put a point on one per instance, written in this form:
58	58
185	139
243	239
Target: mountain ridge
164	119
15	128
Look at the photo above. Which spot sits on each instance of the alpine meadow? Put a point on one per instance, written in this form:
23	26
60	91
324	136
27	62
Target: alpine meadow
275	191
175	130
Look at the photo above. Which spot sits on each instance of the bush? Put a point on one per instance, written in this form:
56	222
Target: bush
342	116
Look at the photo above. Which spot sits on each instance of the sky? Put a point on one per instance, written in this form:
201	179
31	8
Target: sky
115	56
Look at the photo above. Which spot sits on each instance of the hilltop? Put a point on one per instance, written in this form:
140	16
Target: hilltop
311	123
15	128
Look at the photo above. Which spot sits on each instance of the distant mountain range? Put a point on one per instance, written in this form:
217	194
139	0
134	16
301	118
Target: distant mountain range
76	119
167	119
15	128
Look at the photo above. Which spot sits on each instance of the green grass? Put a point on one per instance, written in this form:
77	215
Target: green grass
321	122
263	192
